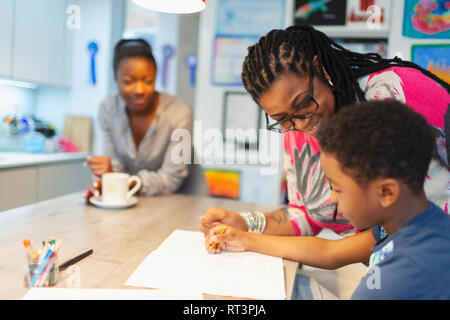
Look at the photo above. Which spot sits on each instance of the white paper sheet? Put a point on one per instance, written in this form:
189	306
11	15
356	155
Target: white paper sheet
110	294
183	262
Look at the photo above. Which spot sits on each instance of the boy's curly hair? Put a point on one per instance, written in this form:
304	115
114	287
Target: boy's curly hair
380	139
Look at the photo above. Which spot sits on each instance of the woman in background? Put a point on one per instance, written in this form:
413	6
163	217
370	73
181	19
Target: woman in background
137	124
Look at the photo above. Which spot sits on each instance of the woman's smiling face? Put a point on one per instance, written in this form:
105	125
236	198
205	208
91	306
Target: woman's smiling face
286	93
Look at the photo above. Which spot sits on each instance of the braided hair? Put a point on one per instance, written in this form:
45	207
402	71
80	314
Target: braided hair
292	51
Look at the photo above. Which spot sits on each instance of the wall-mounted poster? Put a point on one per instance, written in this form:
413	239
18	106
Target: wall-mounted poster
223	183
239	25
434	58
427	19
228	56
320	12
249	17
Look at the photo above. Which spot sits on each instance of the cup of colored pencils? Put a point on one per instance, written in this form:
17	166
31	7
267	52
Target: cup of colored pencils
41	266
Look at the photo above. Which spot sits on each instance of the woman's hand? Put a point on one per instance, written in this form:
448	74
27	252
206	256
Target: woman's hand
231	239
95	190
215	216
99	165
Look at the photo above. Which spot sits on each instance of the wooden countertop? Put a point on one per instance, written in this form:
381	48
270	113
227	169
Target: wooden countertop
121	239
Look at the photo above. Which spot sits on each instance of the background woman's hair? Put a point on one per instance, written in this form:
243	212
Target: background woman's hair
127	48
293	50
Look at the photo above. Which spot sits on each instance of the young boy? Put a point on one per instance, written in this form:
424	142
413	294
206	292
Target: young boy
376	156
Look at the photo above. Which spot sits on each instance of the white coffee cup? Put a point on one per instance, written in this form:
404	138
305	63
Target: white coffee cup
116	185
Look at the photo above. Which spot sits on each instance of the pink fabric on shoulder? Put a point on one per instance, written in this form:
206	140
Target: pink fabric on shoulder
412	87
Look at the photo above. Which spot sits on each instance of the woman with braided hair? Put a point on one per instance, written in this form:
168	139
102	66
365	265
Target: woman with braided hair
300	78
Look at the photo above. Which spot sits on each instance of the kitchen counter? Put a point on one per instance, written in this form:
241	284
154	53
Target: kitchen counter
9	160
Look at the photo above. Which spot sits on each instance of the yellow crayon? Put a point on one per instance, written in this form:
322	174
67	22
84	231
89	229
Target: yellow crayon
221	232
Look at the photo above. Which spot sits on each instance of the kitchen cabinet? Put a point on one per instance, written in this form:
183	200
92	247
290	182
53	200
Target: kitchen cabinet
41	42
59	179
26	185
6	37
17	187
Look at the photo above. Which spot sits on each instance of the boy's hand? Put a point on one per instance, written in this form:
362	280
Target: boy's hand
231	240
215	216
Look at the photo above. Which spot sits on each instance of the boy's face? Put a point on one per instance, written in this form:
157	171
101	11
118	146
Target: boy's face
358	205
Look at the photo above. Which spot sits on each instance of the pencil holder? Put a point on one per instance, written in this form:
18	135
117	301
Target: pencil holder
44	273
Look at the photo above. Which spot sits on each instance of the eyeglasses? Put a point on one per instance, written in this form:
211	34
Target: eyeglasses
303	111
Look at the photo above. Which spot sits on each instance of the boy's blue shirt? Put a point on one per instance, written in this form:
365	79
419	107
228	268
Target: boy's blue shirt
412	263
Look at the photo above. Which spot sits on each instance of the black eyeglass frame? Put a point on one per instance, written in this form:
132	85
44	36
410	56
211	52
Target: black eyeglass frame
310	97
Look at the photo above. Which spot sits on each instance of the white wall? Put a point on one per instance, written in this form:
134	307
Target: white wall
167	35
398	44
16	100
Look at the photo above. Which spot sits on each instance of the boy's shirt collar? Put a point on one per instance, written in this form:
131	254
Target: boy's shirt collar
381	235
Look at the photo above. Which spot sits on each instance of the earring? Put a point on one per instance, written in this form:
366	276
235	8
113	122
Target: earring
331	83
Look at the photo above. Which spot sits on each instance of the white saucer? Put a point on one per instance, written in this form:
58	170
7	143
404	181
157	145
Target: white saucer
97	201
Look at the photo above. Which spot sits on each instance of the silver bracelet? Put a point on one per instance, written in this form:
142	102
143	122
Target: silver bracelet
256	221
261	221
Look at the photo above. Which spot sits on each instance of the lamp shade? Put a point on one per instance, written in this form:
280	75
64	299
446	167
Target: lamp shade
172	6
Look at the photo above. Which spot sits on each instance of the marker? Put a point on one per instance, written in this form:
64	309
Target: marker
72	261
214	244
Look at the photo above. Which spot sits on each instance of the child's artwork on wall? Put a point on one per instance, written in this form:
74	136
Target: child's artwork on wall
427	19
331	16
223	183
434	58
320	12
239	25
369	14
228	56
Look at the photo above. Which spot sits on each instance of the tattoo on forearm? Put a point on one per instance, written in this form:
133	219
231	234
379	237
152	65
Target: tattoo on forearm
279	216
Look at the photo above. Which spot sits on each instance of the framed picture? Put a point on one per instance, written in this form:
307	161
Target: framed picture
427	19
241	117
434	58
